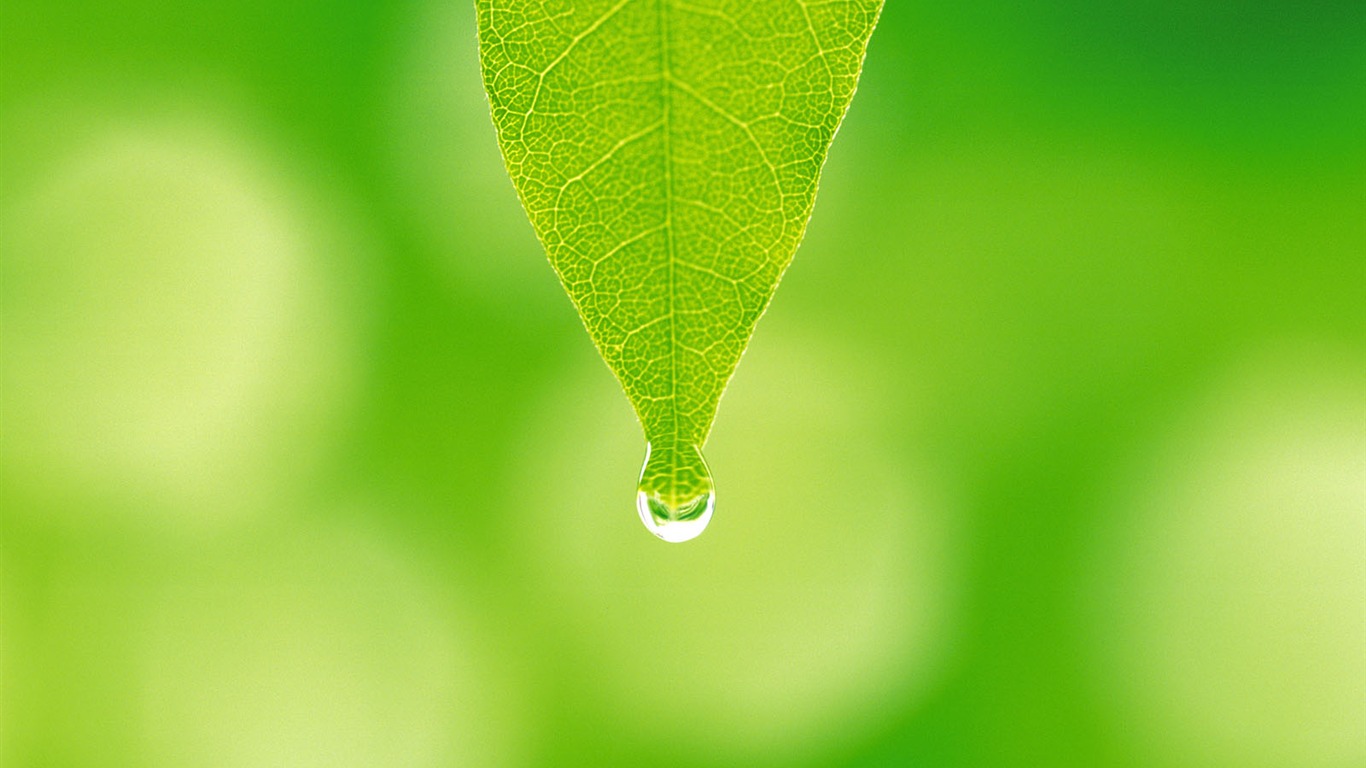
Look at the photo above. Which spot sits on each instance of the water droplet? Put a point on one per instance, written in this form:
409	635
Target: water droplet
676	495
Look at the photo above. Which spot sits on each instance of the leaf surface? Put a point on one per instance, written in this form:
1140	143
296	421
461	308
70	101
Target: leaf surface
667	153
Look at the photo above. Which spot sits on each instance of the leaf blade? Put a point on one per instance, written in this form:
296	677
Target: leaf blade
667	153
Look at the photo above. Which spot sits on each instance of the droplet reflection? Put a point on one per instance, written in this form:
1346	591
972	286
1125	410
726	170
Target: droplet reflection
676	495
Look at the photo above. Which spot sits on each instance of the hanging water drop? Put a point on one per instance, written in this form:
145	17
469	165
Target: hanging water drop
676	496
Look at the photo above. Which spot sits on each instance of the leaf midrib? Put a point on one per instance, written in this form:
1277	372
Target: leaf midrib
666	99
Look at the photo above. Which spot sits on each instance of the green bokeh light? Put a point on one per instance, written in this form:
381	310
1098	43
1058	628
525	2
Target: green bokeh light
305	459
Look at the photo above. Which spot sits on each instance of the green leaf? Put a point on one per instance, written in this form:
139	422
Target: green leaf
667	153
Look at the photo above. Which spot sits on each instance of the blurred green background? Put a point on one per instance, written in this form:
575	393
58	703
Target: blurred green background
1050	452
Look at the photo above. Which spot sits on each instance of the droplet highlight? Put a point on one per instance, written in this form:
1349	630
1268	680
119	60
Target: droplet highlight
676	495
